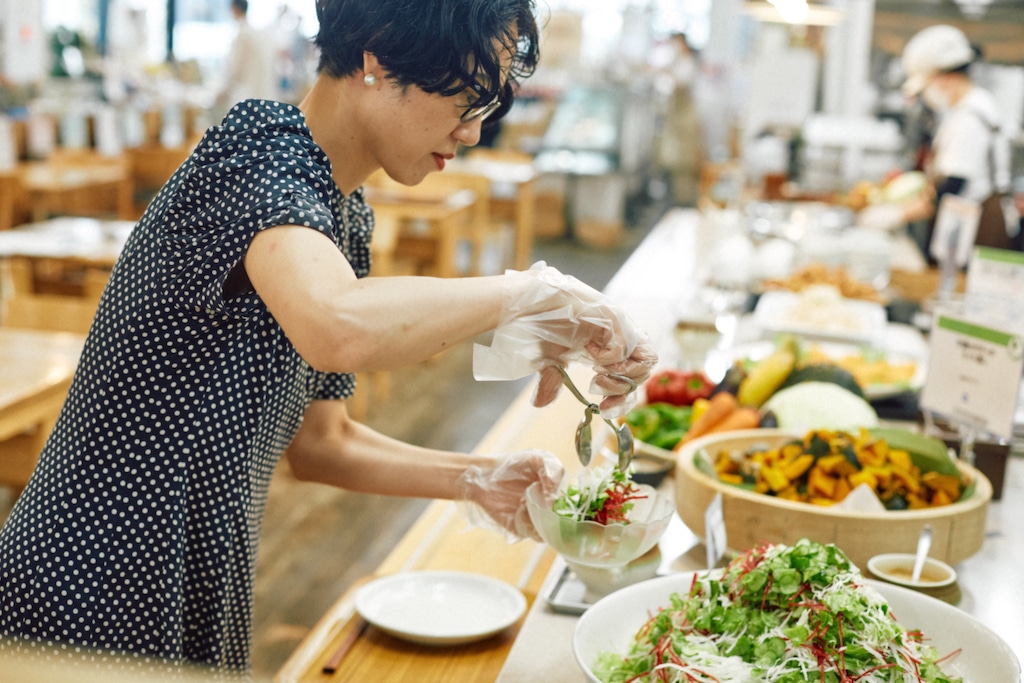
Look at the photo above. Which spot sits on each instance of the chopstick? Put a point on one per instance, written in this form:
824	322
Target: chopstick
359	626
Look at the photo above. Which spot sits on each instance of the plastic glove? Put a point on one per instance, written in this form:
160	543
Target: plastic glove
549	319
494	496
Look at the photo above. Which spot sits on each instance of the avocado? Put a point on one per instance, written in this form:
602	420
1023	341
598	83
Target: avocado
823	372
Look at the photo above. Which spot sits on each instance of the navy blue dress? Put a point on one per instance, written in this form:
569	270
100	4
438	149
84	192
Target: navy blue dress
139	528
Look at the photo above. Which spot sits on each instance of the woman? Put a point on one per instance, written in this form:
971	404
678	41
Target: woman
970	154
232	324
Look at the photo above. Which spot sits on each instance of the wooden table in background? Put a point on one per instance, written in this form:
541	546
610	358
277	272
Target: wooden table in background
36	369
520	207
439	217
77	188
82	241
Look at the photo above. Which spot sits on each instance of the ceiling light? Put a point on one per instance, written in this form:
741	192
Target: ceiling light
793	12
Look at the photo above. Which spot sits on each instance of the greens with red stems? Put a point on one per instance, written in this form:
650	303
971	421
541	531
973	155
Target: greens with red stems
777	614
606	499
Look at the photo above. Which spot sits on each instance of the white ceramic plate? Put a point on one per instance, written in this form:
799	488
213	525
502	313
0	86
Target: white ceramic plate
840	320
610	624
440	607
757	351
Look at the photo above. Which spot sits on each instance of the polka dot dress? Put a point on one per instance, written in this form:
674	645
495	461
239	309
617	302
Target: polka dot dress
138	531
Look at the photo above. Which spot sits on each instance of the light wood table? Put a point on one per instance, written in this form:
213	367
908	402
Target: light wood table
74	187
539	647
36	369
83	241
440	218
520	205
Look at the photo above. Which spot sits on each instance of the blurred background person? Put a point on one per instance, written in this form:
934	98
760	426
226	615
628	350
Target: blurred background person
679	148
250	70
970	153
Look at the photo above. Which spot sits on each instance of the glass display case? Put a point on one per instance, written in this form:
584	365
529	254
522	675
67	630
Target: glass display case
600	139
584	135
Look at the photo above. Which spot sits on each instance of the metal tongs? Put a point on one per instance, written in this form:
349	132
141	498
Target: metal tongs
584	434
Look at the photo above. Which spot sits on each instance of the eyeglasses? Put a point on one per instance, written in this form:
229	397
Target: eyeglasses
481	111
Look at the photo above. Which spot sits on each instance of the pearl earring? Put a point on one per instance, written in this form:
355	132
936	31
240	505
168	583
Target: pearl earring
369	79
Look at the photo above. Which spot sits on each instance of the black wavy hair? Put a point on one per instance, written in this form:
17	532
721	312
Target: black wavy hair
440	46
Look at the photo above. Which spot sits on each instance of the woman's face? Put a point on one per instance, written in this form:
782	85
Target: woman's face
416	132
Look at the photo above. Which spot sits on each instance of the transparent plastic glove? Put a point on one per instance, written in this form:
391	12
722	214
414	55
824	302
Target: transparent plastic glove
494	496
549	318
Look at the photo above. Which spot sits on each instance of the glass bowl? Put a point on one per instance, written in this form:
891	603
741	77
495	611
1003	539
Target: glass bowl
602	545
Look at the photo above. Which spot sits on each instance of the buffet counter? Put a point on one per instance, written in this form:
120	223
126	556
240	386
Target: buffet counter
650	285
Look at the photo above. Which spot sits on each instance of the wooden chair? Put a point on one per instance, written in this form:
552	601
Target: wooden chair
420	246
397	249
27	308
75	183
14	204
152	165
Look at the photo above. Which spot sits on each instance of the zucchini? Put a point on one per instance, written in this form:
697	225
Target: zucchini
928	453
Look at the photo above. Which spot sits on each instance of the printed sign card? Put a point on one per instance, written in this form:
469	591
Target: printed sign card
974	374
995	273
716	542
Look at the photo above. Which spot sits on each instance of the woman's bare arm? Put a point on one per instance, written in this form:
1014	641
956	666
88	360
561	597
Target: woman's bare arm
340	323
330	448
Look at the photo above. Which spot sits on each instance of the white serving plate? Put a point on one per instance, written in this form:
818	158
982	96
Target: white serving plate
610	624
844	319
440	607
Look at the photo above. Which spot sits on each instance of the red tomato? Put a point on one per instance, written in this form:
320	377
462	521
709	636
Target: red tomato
678	387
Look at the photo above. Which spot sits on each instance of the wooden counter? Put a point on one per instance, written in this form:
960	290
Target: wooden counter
441	539
650	286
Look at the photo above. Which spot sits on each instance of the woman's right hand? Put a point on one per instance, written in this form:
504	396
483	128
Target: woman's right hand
548	319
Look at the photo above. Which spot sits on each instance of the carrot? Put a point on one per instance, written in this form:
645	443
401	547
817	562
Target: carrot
742	418
719	406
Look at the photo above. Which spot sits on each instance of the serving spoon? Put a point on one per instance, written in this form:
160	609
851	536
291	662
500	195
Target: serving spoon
584	433
924	544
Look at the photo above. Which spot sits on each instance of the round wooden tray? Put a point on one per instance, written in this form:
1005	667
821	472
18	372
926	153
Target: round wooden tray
753	518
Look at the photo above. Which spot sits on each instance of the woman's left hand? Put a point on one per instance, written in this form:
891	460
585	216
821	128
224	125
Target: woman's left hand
495	493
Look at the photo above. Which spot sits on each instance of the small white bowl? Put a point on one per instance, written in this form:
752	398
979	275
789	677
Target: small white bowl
898	568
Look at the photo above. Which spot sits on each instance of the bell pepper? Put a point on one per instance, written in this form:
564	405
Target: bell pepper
678	387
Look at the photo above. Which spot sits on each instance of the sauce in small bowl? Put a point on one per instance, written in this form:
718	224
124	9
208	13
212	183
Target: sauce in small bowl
937	579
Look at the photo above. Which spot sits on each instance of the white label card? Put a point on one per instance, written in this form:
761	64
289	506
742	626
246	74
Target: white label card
956	225
716	542
996	273
974	374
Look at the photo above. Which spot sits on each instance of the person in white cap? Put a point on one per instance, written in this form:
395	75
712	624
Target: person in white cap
970	150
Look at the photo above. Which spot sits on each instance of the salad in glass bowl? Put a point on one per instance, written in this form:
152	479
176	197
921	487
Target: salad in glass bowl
604	520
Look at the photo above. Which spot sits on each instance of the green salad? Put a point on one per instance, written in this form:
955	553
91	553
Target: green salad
604	496
777	614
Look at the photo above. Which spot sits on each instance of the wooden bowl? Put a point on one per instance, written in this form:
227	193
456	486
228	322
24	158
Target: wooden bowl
752	518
